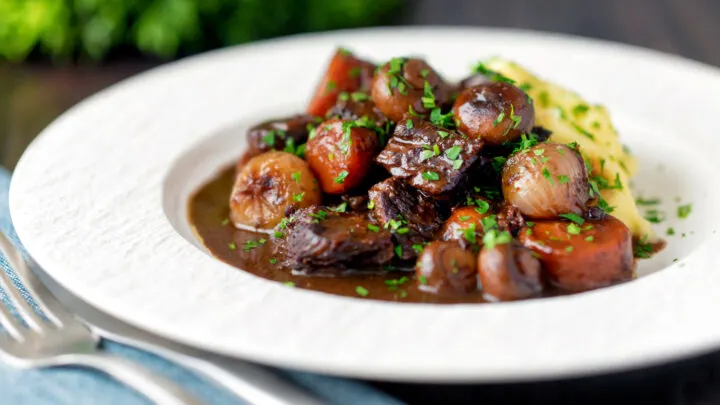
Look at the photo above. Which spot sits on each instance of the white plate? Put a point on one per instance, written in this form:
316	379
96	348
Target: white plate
100	201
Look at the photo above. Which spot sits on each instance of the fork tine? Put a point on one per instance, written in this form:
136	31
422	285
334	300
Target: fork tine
11	325
21	305
43	298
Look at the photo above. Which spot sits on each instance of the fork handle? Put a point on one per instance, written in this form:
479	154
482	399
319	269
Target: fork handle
156	388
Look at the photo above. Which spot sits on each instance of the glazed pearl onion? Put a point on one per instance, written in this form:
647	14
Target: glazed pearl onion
545	181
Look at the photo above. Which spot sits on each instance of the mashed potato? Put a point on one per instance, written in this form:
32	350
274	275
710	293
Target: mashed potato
572	119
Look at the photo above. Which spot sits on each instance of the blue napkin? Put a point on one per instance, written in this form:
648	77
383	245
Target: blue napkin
74	386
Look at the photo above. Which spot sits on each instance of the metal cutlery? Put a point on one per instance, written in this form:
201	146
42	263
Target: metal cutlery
58	339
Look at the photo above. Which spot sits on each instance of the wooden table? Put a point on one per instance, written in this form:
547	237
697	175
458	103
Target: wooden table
32	96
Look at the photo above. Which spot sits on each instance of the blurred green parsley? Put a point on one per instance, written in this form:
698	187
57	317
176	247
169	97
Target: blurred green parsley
90	29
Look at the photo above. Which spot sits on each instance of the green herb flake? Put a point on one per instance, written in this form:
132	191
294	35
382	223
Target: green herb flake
453	153
272	261
398	251
573	229
409	124
647	201
642	249
225	222
464	217
563	179
426	154
269	138
428	98
516	119
289	284
590	238
278	234
655	216
457	164
443	134
340	179
424	73
362	291
683	211
580	109
417	248
299	197
573	217
670	231
330	86
358	96
499	118
373	228
569	249
431	176
423	280
232	245
340	208
493	237
371	204
546	174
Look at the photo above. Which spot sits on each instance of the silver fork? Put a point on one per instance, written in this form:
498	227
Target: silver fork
61	340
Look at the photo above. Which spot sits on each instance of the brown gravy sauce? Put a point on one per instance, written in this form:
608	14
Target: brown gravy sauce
208	213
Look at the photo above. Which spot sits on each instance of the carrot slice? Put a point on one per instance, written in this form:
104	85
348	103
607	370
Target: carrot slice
345	73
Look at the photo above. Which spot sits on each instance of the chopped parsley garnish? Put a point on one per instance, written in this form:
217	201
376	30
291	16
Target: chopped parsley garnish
252	244
457	164
273	260
398	250
491	74
464	217
516	119
499	118
232	246
298	197
417	248
546	174
396	282
498	162
340	179
426	154
642	249
569	249
440	119
331	85
289	284
493	237
373	228
583	131
371	204
344	96
431	176
580	109
362	291
670	231
225	222
443	134
269	138
453	153
526	142
423	280
469	234
319	216
590	238
654	216
278	234
355	71
544	98
563	179
358	96
436	150
428	98
683	211
341	208
647	201
573	217
573	229
296	176
409	124
403	231
482	206
424	72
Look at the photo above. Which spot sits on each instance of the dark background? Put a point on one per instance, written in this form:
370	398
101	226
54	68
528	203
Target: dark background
32	95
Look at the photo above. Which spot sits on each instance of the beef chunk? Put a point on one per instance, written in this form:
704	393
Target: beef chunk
431	158
354	107
410	215
279	134
510	218
318	240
